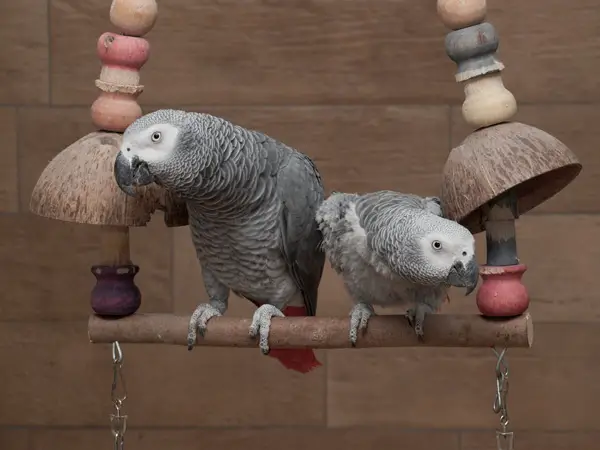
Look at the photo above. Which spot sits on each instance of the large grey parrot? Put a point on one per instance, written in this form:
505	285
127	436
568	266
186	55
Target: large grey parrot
395	249
251	201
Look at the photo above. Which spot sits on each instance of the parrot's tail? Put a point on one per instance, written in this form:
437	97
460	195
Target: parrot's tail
301	360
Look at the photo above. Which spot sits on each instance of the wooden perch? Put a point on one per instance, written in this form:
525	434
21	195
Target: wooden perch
441	330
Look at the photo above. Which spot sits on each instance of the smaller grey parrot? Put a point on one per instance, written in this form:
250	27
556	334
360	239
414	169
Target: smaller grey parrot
395	249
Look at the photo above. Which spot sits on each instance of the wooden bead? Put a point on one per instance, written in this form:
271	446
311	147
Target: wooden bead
115	111
115	246
500	232
487	101
456	14
134	17
473	49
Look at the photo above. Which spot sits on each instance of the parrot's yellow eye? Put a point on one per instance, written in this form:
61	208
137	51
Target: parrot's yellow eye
156	136
437	245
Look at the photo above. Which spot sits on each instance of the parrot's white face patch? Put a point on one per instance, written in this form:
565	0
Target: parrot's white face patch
154	144
443	250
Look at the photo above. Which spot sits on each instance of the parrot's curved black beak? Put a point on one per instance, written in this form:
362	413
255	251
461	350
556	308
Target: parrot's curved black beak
462	275
130	174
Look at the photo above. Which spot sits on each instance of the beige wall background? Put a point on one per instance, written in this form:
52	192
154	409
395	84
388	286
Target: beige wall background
365	88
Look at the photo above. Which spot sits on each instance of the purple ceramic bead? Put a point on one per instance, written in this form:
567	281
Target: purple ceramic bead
115	293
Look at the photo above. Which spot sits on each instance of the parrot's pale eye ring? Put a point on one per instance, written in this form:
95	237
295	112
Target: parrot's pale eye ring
156	136
437	245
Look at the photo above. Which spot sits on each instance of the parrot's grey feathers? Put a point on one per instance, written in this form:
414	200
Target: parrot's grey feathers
395	249
336	223
433	205
376	211
362	221
300	189
251	202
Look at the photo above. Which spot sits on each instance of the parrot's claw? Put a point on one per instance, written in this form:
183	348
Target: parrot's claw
359	318
261	324
203	313
416	318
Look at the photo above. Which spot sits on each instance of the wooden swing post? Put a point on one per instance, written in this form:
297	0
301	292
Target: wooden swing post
442	330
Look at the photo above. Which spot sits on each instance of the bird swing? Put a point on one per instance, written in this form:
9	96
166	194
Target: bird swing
500	171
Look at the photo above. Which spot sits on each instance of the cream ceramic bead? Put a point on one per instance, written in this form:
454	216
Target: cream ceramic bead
487	101
456	14
119	77
134	17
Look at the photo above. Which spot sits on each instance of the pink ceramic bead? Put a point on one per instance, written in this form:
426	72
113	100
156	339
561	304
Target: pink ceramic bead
502	294
126	52
113	111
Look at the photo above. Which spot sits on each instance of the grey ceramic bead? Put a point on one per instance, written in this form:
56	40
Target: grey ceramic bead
473	50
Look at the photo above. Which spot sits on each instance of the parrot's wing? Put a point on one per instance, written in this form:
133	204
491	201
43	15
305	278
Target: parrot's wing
301	192
433	205
375	208
401	200
343	237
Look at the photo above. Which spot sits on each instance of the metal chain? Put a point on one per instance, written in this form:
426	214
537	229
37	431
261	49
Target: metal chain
504	438
118	394
500	406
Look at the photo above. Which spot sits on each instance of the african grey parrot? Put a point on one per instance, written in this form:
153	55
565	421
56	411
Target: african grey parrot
251	202
395	249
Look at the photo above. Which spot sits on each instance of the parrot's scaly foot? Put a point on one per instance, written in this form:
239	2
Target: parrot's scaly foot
261	324
359	318
410	317
416	318
203	313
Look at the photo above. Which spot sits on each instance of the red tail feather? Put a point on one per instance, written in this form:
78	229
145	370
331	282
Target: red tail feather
301	360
